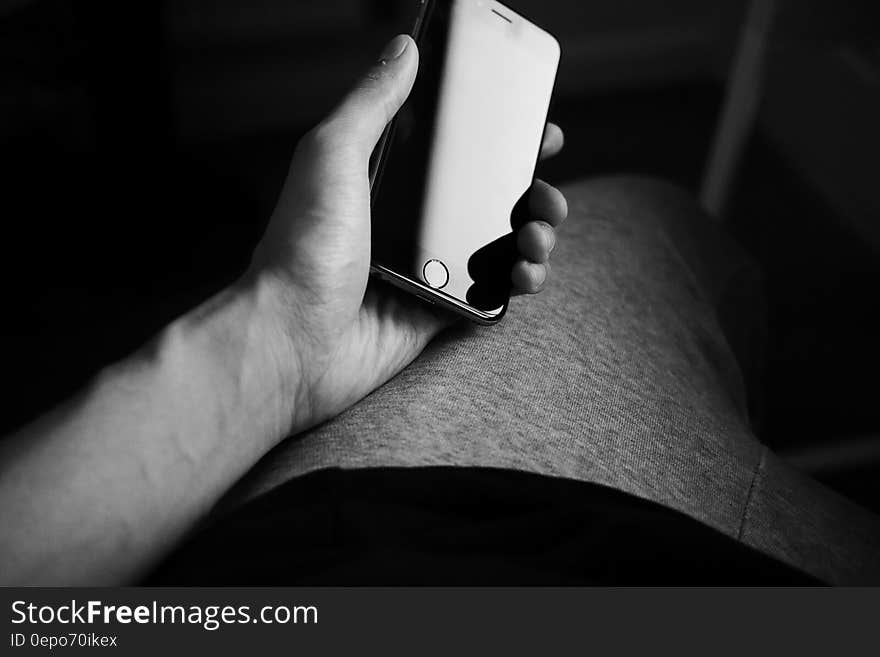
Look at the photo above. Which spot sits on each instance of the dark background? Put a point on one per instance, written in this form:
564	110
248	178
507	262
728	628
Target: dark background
142	145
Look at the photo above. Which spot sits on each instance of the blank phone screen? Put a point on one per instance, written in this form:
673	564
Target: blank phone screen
461	154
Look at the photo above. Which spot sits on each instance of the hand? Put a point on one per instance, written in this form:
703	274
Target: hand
349	335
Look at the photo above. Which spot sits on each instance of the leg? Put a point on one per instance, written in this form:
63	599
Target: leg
618	374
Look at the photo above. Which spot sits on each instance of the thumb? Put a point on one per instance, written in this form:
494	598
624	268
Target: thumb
367	109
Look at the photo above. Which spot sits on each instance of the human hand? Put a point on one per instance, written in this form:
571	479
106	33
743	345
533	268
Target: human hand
348	335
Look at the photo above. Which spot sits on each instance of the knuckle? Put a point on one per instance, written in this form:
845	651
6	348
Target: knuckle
316	139
329	136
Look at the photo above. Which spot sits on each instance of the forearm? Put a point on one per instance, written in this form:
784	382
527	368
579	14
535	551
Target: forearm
102	487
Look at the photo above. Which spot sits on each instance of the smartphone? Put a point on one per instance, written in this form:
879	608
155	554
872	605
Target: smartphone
450	175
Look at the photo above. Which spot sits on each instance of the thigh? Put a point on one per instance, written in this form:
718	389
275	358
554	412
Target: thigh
618	374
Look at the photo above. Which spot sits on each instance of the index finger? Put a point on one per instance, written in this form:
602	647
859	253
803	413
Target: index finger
553	141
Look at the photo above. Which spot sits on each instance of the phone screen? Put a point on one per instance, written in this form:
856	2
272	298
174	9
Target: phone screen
461	154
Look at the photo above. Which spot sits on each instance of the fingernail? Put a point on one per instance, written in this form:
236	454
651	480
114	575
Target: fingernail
551	238
543	277
394	49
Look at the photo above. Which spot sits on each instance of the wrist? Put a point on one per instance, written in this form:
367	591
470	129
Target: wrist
236	346
278	359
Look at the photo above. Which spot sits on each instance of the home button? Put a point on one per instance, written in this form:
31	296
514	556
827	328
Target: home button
435	274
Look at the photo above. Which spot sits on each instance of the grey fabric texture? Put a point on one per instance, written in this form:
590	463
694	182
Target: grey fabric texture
619	374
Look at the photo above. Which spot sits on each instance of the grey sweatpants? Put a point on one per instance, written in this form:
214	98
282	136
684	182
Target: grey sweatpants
618	374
